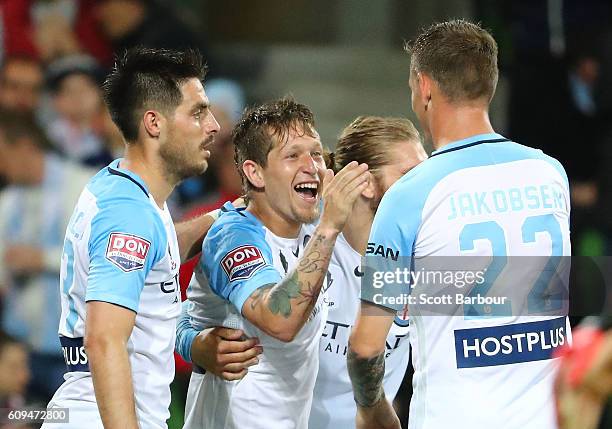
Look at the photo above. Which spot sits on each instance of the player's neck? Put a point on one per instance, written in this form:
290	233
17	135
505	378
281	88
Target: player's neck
149	168
273	220
357	228
452	124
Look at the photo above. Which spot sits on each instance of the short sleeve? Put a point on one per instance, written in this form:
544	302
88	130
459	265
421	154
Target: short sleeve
237	260
126	241
390	246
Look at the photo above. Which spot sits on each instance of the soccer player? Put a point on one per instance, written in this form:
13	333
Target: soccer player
478	195
263	269
390	147
120	294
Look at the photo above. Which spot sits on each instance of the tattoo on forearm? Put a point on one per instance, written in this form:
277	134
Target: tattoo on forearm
279	297
260	294
317	257
309	294
366	375
294	286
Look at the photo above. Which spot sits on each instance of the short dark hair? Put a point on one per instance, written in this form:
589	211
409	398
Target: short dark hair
16	125
252	135
148	78
460	56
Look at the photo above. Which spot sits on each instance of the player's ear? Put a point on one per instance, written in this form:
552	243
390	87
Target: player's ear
152	122
425	87
253	173
370	191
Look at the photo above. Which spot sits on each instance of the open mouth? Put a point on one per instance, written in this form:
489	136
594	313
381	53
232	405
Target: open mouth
307	191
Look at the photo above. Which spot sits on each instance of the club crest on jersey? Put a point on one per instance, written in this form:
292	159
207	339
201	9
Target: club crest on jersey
241	262
127	251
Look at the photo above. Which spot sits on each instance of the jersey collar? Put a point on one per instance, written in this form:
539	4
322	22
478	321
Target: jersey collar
113	168
470	141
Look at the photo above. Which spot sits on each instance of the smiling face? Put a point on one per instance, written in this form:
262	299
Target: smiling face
191	132
293	176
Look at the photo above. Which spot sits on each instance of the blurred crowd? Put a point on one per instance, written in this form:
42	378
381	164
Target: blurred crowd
55	133
559	67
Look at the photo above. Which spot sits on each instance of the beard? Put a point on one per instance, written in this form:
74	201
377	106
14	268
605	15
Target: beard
179	163
309	217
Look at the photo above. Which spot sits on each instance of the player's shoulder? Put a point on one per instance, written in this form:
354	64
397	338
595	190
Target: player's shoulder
478	151
114	187
121	198
236	218
512	151
515	150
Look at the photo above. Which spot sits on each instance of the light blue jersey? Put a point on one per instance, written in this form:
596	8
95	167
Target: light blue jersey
486	366
241	255
120	248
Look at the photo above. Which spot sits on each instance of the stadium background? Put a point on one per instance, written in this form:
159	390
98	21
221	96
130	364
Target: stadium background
343	58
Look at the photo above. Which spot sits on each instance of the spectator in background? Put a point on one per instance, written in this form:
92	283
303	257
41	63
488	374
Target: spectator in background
104	126
580	115
77	98
21	83
50	29
129	23
228	103
34	211
14	372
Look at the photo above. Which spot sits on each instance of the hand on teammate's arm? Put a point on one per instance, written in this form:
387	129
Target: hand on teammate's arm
107	330
191	233
225	352
366	367
281	309
221	351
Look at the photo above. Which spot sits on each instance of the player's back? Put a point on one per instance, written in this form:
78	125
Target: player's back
278	390
482	363
122	249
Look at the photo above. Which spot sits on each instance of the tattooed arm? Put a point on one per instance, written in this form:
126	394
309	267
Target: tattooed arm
366	367
281	309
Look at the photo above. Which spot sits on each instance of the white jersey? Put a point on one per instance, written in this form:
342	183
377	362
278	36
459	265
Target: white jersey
121	248
240	256
333	405
481	366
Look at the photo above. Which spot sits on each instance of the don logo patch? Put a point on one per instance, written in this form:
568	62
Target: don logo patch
127	251
241	262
